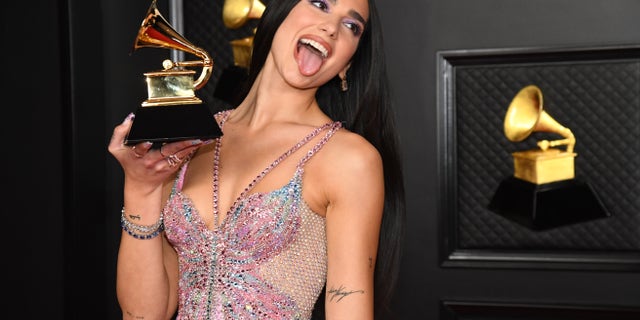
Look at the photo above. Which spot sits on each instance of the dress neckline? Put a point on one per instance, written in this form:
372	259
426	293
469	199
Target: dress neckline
217	224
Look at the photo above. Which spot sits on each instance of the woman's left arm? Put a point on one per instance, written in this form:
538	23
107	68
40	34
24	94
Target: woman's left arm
353	218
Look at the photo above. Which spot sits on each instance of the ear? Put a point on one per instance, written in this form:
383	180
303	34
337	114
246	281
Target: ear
343	73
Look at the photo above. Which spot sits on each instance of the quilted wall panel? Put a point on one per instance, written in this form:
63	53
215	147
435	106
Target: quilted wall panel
598	98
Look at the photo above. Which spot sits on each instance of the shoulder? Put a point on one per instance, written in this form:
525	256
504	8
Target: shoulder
348	167
348	152
354	152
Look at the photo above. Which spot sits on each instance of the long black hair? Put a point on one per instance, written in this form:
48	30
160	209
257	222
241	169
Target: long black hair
365	108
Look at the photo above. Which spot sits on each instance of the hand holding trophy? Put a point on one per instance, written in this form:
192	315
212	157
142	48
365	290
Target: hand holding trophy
172	111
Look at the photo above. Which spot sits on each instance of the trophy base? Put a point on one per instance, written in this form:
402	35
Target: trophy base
163	124
546	206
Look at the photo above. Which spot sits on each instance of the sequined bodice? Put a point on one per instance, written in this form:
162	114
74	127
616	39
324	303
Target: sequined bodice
266	260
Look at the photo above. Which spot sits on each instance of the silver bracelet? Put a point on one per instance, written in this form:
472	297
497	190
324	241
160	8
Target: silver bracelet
139	231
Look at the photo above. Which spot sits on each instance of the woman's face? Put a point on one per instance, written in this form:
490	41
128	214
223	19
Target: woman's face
317	40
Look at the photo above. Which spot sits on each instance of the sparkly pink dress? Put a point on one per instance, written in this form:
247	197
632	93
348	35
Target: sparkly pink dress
266	260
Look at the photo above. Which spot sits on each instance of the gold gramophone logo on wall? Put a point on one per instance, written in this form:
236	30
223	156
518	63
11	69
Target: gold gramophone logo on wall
543	192
172	111
547	164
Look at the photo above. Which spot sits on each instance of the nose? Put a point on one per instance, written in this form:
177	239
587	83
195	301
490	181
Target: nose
329	28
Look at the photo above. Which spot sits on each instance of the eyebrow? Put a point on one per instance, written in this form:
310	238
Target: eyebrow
354	14
357	16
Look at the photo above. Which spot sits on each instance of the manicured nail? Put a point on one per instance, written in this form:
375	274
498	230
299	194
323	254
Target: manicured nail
129	117
196	141
148	144
207	141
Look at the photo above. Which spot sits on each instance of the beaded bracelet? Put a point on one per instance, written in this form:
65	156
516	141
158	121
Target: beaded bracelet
141	231
140	228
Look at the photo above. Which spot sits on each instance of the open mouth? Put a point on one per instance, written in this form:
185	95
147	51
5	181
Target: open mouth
315	47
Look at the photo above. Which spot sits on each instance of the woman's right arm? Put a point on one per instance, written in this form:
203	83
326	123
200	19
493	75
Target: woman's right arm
147	271
144	280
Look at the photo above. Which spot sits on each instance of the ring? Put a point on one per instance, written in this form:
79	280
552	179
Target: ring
173	160
137	155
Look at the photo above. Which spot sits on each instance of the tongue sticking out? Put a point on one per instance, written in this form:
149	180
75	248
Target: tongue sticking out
309	60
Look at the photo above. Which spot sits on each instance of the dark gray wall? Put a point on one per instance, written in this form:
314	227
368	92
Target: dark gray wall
415	32
71	79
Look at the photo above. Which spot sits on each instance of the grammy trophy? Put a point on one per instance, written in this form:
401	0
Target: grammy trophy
172	111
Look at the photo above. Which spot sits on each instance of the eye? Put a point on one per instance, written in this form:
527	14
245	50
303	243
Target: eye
321	4
355	27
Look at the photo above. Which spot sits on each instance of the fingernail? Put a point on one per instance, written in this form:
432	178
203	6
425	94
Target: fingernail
196	141
129	117
207	141
147	144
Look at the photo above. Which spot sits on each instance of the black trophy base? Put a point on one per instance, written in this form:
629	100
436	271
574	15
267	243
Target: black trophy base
546	206
163	124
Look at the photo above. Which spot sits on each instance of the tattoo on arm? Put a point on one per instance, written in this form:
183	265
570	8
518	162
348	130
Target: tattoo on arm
340	293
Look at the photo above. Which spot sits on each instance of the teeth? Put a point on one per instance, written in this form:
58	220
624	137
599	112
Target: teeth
316	46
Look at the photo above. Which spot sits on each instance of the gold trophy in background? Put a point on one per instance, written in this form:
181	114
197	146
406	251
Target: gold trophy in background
172	111
543	192
235	14
547	164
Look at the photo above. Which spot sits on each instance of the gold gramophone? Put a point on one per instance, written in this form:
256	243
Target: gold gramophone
547	164
235	14
172	111
543	192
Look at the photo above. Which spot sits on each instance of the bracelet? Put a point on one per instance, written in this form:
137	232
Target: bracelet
139	231
143	236
138	227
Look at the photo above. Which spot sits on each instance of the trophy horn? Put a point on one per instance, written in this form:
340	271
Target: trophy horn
235	13
525	115
156	32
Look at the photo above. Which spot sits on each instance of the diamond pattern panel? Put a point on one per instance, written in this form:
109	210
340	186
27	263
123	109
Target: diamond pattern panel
599	101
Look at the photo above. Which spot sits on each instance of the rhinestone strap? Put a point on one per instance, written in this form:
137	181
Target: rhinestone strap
216	162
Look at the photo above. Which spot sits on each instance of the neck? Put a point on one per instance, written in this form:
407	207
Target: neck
272	101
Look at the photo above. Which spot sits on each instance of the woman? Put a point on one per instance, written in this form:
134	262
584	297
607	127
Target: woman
301	198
